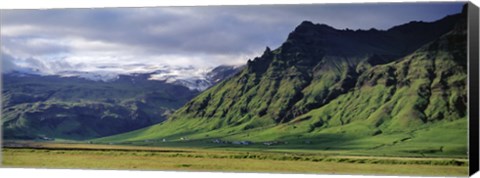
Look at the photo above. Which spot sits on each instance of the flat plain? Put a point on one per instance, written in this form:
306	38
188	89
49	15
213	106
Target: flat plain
240	159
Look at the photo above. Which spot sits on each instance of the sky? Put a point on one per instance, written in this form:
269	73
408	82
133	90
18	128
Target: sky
129	40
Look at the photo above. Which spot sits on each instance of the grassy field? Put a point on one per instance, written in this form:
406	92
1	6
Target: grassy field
440	139
91	156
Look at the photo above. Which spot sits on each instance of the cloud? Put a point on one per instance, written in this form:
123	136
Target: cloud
90	39
7	63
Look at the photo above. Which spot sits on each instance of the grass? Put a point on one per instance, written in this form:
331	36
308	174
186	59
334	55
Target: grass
91	156
349	139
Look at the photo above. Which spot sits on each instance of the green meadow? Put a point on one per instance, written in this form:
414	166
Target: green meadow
241	159
427	141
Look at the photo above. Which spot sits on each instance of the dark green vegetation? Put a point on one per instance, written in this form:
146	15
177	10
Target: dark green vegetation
74	108
395	92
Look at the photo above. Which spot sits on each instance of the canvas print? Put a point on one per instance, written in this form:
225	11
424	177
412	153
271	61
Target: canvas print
370	89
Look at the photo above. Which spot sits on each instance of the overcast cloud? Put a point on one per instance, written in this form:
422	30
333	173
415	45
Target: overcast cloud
56	40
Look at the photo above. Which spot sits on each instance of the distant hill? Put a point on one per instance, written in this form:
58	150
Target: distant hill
80	107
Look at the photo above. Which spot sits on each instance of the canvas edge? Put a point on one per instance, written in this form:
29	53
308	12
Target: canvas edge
1	99
473	59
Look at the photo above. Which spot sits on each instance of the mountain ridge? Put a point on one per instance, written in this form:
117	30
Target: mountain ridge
305	48
370	97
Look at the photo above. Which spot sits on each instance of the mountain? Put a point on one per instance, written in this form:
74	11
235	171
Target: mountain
84	105
193	77
315	65
222	72
199	80
77	108
402	90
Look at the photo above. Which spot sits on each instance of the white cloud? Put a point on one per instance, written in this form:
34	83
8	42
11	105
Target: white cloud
15	30
119	39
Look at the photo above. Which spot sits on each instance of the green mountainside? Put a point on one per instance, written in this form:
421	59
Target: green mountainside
402	90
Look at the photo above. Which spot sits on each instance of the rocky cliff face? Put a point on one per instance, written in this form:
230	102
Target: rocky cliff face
318	64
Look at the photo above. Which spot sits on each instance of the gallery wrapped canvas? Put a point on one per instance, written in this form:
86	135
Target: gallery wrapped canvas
366	89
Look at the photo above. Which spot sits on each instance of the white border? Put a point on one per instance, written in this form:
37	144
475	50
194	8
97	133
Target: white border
48	4
62	173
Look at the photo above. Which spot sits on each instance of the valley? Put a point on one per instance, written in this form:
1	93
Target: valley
326	100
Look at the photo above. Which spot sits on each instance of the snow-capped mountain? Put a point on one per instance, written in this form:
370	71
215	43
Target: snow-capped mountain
193	78
196	79
222	72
